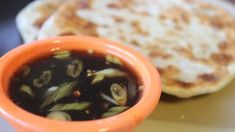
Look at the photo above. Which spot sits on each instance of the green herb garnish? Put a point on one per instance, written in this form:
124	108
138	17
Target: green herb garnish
75	68
62	55
109	72
59	115
64	90
43	79
71	106
114	111
26	89
119	93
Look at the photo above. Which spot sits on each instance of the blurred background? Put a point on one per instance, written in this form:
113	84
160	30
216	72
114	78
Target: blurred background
9	8
9	37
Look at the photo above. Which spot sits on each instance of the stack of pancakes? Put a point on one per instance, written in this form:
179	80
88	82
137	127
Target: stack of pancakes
191	42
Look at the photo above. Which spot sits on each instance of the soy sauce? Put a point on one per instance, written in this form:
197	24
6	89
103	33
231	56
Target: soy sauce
90	77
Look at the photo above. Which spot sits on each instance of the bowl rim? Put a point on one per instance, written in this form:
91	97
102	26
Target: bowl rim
128	119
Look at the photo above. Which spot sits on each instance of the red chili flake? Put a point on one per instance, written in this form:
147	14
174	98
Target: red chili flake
76	93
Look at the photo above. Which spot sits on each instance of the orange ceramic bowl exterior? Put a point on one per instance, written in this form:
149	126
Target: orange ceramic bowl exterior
126	121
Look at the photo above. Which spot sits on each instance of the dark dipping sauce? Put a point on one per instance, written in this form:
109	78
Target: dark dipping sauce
75	86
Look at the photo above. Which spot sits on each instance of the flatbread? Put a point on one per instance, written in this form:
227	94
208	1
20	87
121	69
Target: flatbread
191	42
65	21
30	19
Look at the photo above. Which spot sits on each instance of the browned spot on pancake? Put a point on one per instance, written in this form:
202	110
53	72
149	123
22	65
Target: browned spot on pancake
177	15
66	34
138	28
155	53
160	70
114	5
46	11
118	5
219	22
91	27
184	84
162	17
171	70
208	77
166	74
48	7
223	46
84	4
185	17
222	58
69	12
123	38
134	42
88	25
190	1
178	27
175	20
168	71
118	19
69	21
39	22
187	52
206	5
126	3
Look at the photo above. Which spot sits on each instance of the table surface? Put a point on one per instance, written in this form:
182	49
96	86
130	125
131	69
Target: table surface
175	114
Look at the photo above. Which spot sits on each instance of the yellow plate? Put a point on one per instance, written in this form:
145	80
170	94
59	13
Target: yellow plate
207	113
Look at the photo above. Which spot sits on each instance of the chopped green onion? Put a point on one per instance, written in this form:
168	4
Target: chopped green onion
62	55
97	79
75	68
26	89
64	90
114	111
109	99
109	72
43	79
59	115
50	90
119	93
71	106
113	59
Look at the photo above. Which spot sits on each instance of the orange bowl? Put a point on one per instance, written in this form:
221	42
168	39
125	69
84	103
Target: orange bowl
24	121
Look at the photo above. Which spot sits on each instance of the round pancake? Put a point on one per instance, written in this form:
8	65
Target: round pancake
191	42
30	19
